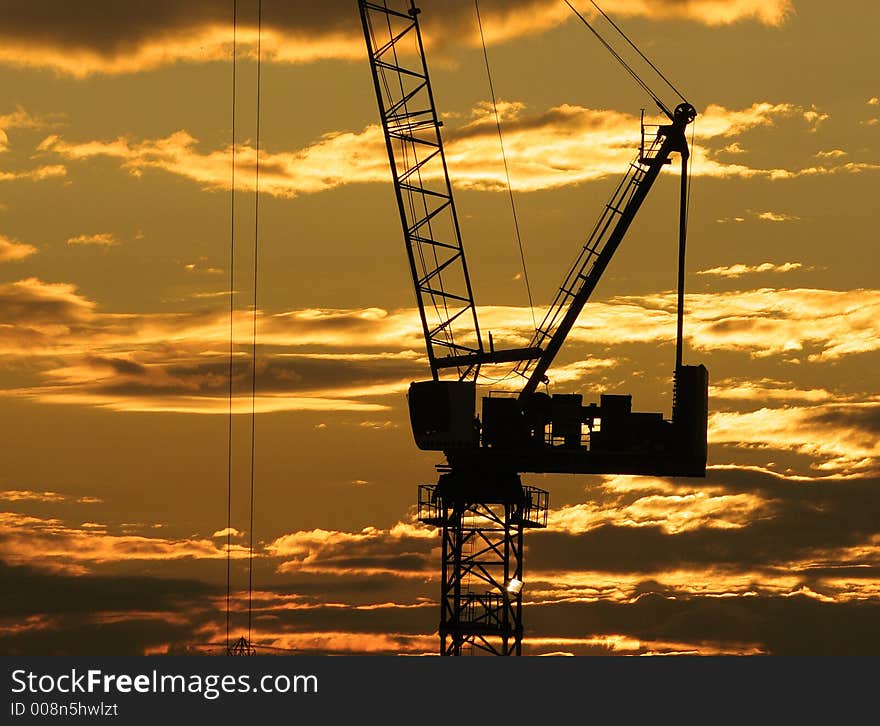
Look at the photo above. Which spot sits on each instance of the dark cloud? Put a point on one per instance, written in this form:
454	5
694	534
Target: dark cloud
109	27
133	635
118	365
33	302
281	374
58	614
105	35
795	625
865	417
55	614
806	519
27	590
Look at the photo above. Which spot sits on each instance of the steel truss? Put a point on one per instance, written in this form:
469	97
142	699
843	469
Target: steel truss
482	567
421	183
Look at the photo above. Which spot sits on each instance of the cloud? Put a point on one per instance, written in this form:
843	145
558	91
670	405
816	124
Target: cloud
672	512
32	302
561	146
333	160
104	239
347	360
831	154
284	382
201	266
143	36
799	532
26	495
228	531
61	614
49	542
828	324
643	580
742	531
40	173
766	389
13	250
176	362
777	217
22	119
838	437
768	216
403	550
132	615
740	269
755	624
760	543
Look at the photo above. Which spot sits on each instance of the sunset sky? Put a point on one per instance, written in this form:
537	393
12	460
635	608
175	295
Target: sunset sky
115	157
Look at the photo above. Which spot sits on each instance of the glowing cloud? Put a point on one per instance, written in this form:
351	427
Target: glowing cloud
12	250
839	437
561	146
21	119
103	239
144	37
777	217
40	173
26	495
38	541
740	269
174	362
403	550
672	512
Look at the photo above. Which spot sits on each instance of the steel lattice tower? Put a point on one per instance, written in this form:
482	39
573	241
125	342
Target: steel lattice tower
482	558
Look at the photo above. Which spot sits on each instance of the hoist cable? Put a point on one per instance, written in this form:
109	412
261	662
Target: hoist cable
688	168
691	170
637	50
231	342
645	87
254	321
506	168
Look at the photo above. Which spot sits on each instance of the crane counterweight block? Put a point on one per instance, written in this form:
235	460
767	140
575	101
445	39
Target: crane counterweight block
540	433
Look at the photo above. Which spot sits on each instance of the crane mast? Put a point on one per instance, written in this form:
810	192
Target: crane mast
479	502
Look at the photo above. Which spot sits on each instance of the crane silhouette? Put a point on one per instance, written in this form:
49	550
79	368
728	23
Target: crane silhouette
479	502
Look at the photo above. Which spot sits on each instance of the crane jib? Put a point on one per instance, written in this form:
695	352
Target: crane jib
425	203
600	247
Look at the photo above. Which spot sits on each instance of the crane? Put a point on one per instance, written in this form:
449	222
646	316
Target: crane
479	502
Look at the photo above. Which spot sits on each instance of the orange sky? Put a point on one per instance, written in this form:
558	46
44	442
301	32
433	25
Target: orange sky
115	152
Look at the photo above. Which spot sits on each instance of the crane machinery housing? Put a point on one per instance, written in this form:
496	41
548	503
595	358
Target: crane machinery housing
479	502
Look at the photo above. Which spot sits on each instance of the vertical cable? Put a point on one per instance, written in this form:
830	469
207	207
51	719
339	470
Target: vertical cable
231	340
682	242
254	321
691	173
686	170
506	169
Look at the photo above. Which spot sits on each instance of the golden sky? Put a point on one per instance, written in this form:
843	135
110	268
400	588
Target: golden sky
115	154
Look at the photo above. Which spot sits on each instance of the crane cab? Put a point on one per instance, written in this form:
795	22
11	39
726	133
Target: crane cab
442	415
